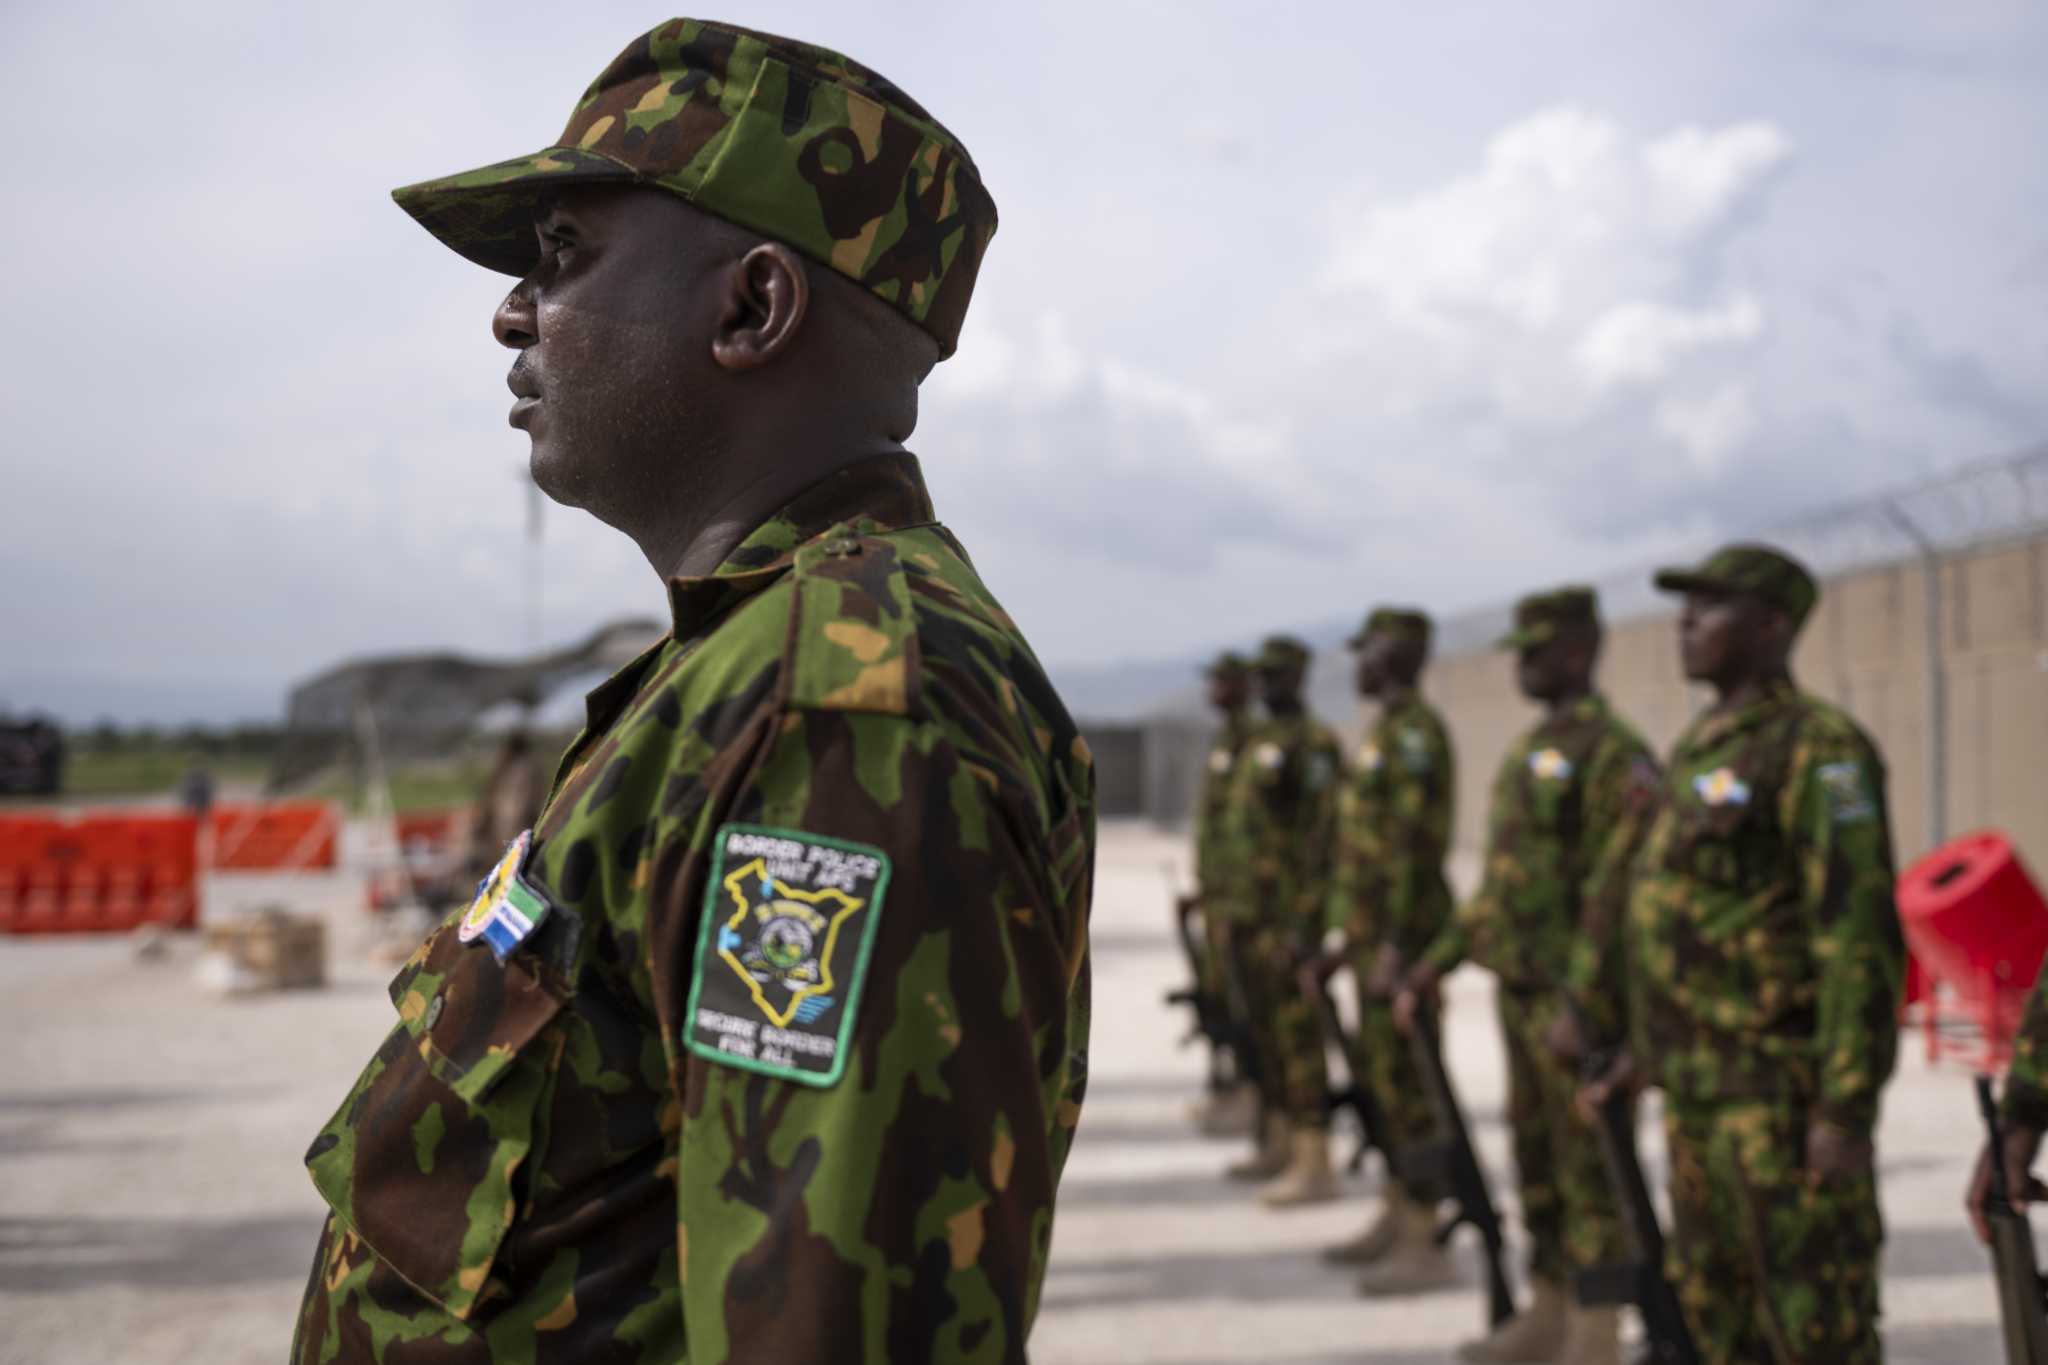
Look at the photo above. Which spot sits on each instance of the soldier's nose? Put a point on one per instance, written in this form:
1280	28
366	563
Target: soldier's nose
513	324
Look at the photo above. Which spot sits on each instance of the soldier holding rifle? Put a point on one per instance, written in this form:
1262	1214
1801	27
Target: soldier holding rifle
1278	824
1764	959
1559	834
1232	1105
1389	898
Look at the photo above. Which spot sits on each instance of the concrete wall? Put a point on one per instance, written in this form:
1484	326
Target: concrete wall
1865	648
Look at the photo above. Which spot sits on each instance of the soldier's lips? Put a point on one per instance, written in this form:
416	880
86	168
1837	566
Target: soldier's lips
523	411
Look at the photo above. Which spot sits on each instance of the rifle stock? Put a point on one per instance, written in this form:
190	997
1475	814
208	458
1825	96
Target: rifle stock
1354	1096
2022	1305
1641	1280
1217	1018
1451	1164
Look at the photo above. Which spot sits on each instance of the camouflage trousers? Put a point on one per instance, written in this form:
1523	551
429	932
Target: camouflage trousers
1383	1059
1289	1035
1568	1207
1767	1268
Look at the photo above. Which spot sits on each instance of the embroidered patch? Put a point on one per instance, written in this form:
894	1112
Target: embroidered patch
789	923
1219	761
506	909
1321	768
1370	757
1721	787
1269	755
1849	795
1550	765
1415	755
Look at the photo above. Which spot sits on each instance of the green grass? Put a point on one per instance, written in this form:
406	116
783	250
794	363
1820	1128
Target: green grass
421	788
130	772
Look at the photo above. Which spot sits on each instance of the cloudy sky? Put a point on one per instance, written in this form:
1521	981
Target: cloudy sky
1293	307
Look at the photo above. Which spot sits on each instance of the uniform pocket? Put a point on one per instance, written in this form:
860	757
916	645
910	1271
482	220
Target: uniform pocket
422	1159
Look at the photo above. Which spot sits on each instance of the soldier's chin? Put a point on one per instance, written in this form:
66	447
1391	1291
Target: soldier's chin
553	474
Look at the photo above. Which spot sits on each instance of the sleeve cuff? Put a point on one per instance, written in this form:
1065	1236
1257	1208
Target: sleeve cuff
1857	1116
2025	1106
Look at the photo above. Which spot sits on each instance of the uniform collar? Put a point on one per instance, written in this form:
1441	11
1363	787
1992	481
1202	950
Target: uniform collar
870	496
1717	727
1590	707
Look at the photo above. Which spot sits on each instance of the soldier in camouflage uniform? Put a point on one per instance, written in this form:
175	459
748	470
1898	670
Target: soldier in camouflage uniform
1563	792
1281	806
2024	1114
768	1042
1389	900
1765	957
1231	1108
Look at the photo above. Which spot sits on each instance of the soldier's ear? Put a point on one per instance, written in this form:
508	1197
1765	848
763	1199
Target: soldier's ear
766	297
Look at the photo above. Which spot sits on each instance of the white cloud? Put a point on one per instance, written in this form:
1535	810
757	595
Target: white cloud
1564	266
1710	427
1639	341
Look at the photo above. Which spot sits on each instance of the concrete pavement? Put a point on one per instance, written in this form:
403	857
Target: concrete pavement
152	1204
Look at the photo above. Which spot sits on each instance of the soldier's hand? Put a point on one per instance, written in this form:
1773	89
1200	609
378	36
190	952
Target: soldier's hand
1316	972
1421	981
1385	977
1834	1153
1620	1076
1565	1038
2021	1144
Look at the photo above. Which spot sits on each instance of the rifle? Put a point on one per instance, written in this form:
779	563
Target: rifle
1639	1280
2022	1304
1450	1163
1215	1017
1354	1096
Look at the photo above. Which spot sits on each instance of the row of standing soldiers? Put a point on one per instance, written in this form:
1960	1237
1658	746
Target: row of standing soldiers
1719	926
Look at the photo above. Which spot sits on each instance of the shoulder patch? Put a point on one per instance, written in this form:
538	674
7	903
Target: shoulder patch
853	644
1322	766
1415	755
1550	764
1221	760
506	908
1721	787
789	924
1850	800
1370	757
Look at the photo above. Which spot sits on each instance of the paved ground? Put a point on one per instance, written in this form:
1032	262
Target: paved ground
152	1205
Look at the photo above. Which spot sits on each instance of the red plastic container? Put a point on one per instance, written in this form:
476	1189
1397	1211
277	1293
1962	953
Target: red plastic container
1978	925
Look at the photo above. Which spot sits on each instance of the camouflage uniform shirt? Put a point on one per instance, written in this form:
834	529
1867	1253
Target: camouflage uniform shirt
1213	873
1765	949
1394	831
2026	1084
1563	792
790	1066
1278	827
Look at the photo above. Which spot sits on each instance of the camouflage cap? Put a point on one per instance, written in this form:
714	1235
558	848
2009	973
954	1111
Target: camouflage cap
1405	623
1228	664
783	138
1766	573
1539	616
1282	653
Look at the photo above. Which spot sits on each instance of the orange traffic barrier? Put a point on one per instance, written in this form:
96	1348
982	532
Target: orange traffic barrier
285	836
101	873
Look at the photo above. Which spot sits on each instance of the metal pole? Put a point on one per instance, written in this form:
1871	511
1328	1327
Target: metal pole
1936	677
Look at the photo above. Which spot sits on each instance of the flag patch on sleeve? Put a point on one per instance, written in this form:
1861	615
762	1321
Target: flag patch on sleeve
506	909
789	924
1849	796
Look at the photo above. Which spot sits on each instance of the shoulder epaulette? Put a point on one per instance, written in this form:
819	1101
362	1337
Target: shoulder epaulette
853	630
